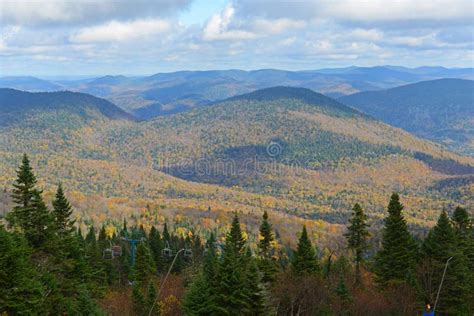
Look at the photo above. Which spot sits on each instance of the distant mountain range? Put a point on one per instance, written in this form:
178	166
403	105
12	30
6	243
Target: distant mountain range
284	149
169	93
441	110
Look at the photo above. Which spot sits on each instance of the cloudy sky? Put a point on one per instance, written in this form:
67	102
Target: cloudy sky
85	37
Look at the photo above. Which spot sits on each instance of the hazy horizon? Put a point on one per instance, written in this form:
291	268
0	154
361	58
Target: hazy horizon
55	38
131	75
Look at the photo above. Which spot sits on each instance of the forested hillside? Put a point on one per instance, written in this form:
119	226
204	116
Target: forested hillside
289	151
441	110
164	266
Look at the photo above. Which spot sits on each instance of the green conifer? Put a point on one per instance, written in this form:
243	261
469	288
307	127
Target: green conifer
62	213
357	236
395	261
304	260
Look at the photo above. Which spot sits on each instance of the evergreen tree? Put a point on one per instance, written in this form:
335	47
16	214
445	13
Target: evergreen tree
234	295
253	288
156	247
461	220
395	261
29	214
166	233
464	230
151	297
21	293
357	235
304	259
198	299
24	185
440	245
62	213
342	291
266	263
202	296
139	303
144	265
39	226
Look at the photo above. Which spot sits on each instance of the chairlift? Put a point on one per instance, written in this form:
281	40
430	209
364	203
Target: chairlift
188	253
167	252
107	254
116	251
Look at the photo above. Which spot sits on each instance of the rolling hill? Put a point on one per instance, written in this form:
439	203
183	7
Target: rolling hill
170	93
291	151
440	110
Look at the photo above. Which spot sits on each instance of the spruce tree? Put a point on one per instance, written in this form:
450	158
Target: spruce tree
198	300
253	288
144	264
24	184
22	196
202	296
440	245
304	258
39	226
357	236
156	247
266	263
62	213
395	261
21	292
138	299
151	297
234	293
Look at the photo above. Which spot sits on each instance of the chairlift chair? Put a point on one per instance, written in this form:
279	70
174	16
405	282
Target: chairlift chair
188	253
107	254
167	252
116	251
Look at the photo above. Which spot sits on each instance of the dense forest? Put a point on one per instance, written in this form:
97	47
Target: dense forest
48	265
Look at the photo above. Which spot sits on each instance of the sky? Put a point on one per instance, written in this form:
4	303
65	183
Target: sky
140	37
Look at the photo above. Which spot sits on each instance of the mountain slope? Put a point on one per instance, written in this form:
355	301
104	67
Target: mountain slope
286	150
29	84
17	105
441	110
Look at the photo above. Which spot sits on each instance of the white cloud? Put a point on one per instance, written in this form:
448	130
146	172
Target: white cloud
277	26
362	11
83	12
217	28
366	34
116	31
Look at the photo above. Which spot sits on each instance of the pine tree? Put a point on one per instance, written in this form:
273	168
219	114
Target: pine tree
395	261
304	260
357	236
62	213
266	263
438	247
